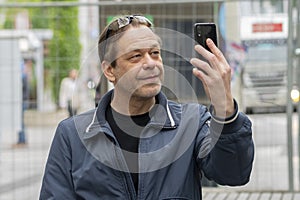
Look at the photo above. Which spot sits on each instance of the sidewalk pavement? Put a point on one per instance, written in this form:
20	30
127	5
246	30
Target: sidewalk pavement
220	194
21	169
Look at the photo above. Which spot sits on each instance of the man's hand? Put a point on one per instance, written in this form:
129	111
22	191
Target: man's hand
215	75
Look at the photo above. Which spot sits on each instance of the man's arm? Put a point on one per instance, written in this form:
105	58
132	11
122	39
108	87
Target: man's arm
57	181
226	149
230	159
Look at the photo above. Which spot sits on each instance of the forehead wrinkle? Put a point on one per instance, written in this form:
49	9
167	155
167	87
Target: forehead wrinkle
137	38
137	45
142	47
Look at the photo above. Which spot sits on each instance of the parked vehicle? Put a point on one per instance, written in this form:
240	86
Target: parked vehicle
264	73
264	77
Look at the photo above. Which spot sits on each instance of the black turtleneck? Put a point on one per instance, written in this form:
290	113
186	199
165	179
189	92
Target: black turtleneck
127	130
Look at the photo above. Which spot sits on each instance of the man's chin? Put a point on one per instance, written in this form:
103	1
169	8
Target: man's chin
149	91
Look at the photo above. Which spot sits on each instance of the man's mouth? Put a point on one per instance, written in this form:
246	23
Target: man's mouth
149	77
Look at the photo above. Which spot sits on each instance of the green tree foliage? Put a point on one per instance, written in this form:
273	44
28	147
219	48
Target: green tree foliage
64	48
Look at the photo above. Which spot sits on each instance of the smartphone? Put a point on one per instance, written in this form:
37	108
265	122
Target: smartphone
202	31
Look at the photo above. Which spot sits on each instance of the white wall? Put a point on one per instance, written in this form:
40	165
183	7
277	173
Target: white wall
11	89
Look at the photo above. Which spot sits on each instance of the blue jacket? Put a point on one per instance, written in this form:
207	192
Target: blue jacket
180	141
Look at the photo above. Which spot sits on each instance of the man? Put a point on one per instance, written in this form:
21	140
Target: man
139	145
68	97
26	66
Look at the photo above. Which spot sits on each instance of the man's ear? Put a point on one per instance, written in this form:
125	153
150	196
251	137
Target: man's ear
108	71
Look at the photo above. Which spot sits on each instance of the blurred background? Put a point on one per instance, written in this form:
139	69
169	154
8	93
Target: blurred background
41	41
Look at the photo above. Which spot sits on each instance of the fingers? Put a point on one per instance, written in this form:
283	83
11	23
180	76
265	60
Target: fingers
203	77
201	66
215	50
215	58
215	74
209	56
211	45
216	69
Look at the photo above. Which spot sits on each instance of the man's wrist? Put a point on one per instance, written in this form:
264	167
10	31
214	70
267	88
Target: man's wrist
227	119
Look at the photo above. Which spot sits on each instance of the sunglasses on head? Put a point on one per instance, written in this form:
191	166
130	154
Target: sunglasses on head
122	22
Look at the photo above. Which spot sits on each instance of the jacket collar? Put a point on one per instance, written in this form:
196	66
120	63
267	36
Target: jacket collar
99	123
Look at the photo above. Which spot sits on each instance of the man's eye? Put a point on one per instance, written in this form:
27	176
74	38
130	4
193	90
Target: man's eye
135	56
155	53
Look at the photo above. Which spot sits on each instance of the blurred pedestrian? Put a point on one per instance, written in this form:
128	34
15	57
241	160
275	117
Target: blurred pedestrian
25	67
68	93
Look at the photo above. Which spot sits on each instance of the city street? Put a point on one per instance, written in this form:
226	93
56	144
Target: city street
270	171
40	42
21	169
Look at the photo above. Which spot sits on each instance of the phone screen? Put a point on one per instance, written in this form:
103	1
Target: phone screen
202	31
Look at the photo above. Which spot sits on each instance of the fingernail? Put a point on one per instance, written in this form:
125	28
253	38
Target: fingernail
195	70
197	47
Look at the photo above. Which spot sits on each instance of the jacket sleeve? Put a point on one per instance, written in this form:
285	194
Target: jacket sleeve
57	181
226	152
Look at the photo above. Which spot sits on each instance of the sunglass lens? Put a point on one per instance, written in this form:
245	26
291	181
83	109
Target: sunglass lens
123	22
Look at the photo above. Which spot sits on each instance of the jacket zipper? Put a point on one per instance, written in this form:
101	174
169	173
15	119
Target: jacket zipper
127	177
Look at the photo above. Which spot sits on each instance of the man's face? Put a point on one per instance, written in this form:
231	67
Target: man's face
139	68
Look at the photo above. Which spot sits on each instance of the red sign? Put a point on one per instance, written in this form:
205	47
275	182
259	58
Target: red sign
267	27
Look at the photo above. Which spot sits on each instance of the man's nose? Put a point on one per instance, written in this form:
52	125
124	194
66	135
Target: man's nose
149	62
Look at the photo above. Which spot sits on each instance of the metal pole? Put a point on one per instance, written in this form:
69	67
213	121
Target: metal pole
298	84
40	76
289	102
